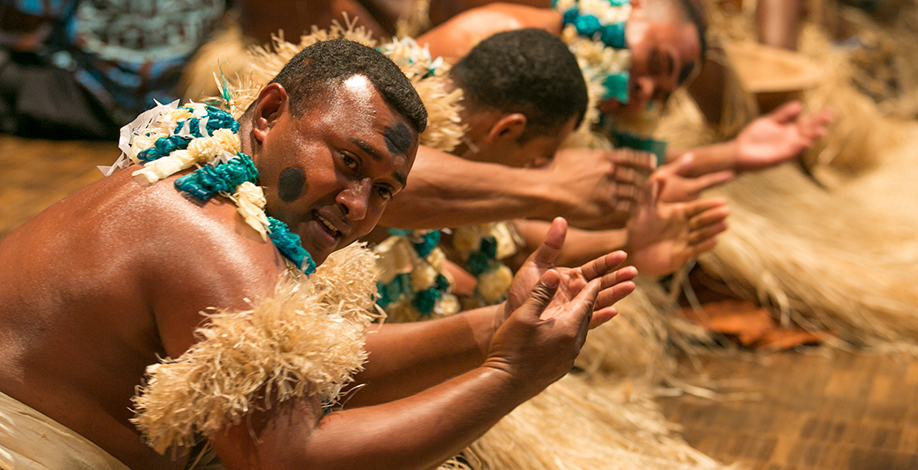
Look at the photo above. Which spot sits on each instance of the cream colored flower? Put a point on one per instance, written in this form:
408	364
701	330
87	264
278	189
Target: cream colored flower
448	305
250	200
228	140
493	285
142	142
204	148
467	238
506	244
437	259
423	277
163	167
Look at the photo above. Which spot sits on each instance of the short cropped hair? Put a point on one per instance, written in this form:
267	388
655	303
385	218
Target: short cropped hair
323	66
528	71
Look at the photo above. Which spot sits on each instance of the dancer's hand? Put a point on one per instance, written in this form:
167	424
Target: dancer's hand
664	236
597	189
614	284
539	341
677	185
779	136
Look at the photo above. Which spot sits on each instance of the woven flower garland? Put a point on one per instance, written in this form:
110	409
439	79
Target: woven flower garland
595	32
168	139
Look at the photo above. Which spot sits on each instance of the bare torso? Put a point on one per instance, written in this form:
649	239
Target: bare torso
455	38
101	284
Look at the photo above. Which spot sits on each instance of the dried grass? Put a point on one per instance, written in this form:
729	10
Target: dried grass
304	339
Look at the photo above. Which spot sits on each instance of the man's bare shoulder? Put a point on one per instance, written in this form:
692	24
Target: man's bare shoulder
188	255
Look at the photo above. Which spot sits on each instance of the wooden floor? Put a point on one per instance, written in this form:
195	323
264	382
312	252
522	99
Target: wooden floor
815	411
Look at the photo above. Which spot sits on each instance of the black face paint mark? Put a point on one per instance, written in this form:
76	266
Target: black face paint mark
290	183
398	138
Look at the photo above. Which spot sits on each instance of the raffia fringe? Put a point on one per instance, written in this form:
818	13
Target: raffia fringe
249	68
838	255
579	425
305	339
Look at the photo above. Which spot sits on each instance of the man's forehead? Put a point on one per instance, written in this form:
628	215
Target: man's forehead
398	137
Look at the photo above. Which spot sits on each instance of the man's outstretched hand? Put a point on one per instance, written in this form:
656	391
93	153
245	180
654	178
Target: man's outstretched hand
539	341
614	285
779	136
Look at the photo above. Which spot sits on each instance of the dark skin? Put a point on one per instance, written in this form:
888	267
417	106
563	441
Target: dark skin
104	282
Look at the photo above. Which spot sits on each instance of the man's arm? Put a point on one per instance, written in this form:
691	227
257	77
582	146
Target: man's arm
408	358
768	141
591	188
533	348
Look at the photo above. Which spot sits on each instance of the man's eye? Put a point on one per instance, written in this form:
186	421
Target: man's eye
349	161
384	192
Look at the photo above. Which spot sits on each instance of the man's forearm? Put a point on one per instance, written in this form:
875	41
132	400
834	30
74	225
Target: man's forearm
709	159
406	358
418	432
447	191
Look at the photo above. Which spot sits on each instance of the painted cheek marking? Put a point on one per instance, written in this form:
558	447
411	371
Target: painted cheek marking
290	183
398	138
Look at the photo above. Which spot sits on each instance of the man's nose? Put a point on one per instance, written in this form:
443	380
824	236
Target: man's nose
355	199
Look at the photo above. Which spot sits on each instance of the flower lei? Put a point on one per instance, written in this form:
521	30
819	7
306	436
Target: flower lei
169	138
595	32
411	285
482	247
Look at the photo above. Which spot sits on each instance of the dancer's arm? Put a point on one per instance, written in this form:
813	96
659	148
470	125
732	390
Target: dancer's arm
407	358
768	141
592	189
533	348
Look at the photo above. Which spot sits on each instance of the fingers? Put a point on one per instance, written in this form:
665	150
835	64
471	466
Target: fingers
582	308
706	211
602	316
608	297
645	161
541	295
548	250
602	265
625	274
710	180
788	112
702	235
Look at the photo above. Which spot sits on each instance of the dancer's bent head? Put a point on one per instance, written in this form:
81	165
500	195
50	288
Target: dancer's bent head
333	137
523	94
667	42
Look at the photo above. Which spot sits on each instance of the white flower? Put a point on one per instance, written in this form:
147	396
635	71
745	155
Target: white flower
467	238
506	245
493	284
142	142
437	259
250	200
423	277
228	140
204	148
448	305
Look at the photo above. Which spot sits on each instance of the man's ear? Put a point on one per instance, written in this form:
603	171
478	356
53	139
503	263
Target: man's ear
507	129
271	104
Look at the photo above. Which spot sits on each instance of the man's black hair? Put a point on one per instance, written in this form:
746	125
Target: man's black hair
527	71
323	66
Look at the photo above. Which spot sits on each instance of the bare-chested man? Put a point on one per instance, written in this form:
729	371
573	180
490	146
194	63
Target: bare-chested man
103	284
